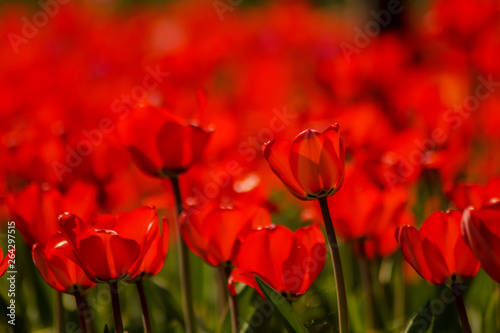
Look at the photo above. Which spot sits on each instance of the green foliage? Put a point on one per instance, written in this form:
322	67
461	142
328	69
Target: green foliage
288	315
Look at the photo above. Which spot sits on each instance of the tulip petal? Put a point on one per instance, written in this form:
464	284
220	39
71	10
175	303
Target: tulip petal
411	244
305	157
306	260
484	244
277	153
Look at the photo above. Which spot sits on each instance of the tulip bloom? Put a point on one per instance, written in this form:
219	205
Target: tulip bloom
36	208
312	165
481	229
56	264
288	261
212	233
161	144
437	251
112	248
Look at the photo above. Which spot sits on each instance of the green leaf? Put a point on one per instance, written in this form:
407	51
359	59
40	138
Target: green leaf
422	322
289	317
106	328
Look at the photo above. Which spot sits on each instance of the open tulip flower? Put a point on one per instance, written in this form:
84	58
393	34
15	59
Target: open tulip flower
438	251
212	233
440	254
112	248
481	229
160	143
288	261
312	165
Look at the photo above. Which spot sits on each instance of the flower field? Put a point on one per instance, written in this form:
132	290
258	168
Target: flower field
250	166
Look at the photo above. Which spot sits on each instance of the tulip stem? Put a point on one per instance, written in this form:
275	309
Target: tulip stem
146	321
366	280
459	301
337	266
224	272
498	306
115	300
399	289
59	313
184	267
223	290
81	310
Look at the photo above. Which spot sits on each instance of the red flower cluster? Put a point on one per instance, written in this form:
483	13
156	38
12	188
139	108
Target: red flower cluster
418	118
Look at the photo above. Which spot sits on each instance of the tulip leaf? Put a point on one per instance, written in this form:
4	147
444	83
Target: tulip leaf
422	322
106	328
289	317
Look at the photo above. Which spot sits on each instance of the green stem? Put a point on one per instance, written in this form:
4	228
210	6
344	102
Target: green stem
366	279
337	266
115	300
498	306
184	267
224	273
59	314
81	307
223	291
459	301
146	321
399	290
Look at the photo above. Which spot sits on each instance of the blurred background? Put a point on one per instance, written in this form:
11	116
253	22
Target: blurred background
413	85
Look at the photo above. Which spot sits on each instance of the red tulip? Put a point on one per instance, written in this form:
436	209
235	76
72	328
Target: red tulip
112	248
438	251
211	234
161	144
36	208
312	165
55	262
288	261
481	229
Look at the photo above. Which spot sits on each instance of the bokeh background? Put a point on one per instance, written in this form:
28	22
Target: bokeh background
389	72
